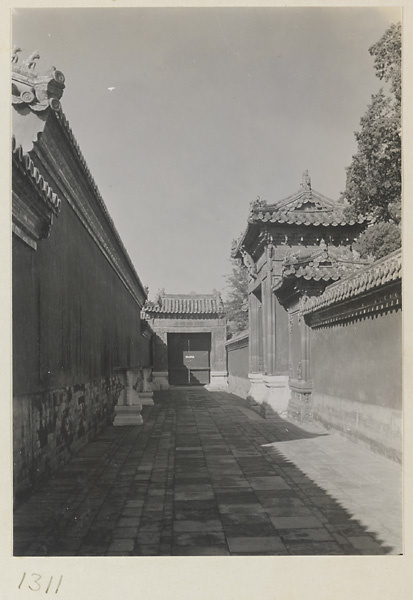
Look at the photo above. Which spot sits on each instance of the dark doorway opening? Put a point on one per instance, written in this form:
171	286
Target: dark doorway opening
189	358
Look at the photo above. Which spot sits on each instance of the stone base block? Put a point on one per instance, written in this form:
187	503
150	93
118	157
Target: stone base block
146	398
277	393
160	380
218	381
269	394
300	404
257	390
128	415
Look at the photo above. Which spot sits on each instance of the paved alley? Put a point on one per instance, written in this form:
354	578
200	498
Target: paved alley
205	475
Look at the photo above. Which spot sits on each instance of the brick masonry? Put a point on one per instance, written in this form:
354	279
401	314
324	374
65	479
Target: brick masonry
49	427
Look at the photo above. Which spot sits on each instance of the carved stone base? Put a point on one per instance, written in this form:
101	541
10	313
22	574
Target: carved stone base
146	393
160	380
300	407
218	381
129	407
277	393
128	415
257	390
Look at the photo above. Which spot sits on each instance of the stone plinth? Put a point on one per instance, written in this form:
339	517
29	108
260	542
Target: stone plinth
129	406
269	393
128	415
277	393
300	404
145	391
219	381
258	390
160	380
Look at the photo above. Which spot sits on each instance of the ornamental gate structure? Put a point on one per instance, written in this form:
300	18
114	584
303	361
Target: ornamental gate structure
189	340
293	249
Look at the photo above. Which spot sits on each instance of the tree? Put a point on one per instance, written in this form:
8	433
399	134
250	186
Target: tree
236	304
378	241
373	185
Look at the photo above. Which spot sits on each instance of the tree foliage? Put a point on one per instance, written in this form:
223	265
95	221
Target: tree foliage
236	303
378	241
373	185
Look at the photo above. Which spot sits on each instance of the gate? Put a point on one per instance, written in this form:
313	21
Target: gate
189	358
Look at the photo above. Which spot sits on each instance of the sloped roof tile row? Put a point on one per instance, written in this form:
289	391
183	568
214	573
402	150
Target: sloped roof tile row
315	272
186	304
44	189
381	272
323	263
305	207
314	218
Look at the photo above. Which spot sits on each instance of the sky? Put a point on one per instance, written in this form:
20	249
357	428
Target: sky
210	108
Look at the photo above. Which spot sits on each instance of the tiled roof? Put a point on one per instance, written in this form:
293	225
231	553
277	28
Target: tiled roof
326	264
196	304
26	164
305	207
381	272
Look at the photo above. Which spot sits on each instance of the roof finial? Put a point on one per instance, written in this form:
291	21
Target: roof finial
30	62
306	182
14	55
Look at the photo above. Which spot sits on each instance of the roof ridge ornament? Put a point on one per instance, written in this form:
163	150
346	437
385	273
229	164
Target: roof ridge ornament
306	182
14	54
31	62
249	262
38	91
258	203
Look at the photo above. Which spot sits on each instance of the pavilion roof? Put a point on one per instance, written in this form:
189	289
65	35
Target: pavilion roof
185	304
304	207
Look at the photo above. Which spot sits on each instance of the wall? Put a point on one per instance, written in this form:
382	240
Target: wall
238	364
74	321
76	314
356	355
357	375
50	426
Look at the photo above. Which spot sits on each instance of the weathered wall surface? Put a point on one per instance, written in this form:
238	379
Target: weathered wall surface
356	356
50	426
370	350
238	365
74	321
357	375
76	305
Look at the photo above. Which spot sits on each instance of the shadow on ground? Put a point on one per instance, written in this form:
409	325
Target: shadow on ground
195	479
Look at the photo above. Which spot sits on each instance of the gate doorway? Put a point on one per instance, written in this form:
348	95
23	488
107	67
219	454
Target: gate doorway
189	358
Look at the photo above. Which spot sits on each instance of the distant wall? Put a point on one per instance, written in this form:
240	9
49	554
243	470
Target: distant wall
238	364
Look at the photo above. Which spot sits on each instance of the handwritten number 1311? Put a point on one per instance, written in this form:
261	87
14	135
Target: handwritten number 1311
35	584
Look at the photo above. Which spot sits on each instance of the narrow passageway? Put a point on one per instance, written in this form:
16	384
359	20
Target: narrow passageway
205	475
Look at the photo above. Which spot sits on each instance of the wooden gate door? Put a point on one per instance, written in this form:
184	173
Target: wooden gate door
189	358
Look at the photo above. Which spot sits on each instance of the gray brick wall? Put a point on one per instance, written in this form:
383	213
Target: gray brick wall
49	427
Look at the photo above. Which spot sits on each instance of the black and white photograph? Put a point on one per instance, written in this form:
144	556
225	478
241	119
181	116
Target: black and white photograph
206	219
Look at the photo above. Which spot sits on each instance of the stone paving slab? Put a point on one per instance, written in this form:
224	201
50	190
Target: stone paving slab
206	476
